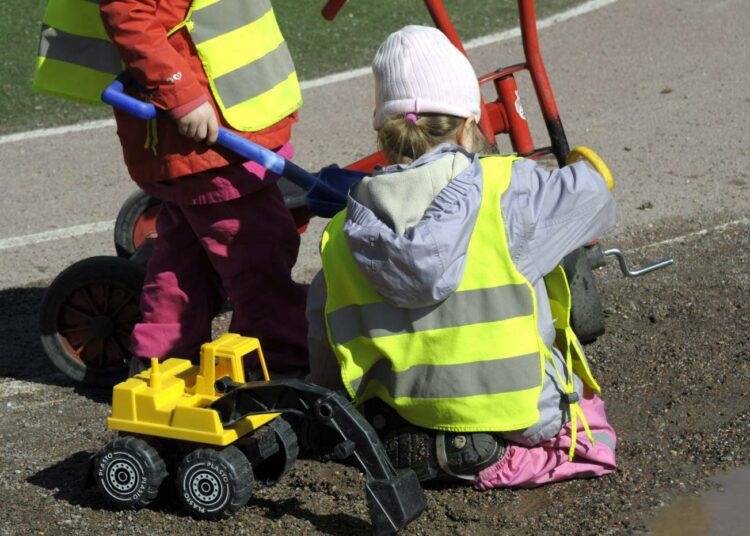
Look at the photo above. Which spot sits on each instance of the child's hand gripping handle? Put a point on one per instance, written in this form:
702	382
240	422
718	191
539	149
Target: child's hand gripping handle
115	96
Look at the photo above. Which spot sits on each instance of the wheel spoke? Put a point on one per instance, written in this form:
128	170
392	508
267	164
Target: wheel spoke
74	329
107	291
77	311
78	350
93	354
126	300
124	352
90	300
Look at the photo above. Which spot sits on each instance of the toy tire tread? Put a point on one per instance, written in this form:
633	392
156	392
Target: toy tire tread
213	484
129	472
270	471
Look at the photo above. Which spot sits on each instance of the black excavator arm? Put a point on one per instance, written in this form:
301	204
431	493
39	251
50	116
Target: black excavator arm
394	497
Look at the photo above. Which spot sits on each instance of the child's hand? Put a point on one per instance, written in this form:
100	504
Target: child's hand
200	124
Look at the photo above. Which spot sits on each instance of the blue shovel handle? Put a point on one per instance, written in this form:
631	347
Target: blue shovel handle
114	95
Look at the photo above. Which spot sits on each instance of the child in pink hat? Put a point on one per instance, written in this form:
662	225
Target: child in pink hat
441	306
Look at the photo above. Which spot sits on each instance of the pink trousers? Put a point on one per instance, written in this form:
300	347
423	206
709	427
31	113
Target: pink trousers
243	250
528	467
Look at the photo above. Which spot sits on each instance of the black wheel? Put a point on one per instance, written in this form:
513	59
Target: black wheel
87	315
586	315
135	222
271	470
129	472
214	484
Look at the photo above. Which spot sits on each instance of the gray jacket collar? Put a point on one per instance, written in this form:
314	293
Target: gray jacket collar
414	257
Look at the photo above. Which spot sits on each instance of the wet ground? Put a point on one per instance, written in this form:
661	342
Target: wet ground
720	512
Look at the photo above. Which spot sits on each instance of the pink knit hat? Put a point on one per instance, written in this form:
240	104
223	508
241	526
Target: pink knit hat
417	69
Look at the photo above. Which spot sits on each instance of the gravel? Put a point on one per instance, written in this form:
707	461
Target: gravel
673	364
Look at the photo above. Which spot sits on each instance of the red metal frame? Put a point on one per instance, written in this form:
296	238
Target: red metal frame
503	115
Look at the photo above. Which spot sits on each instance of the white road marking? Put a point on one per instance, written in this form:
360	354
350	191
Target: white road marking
582	9
57	234
586	7
13	387
56	131
695	234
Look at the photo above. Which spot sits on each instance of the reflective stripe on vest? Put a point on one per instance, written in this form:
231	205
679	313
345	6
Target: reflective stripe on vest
246	60
470	363
76	59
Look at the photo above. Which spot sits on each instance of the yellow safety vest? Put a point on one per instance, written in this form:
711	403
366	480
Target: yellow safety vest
475	361
76	59
243	52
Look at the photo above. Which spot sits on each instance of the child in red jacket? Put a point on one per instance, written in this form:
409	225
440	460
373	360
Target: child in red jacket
223	229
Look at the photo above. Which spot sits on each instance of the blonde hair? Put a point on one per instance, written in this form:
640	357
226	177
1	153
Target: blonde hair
403	140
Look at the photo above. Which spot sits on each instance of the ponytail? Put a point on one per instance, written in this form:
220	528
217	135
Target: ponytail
404	140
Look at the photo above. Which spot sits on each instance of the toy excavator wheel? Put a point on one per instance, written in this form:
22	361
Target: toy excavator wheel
270	471
135	222
86	318
129	471
214	484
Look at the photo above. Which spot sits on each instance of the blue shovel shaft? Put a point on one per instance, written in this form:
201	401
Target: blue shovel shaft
115	96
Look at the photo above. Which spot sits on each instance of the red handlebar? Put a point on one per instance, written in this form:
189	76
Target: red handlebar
332	8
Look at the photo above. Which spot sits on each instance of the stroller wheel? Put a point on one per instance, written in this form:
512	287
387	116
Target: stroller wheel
86	318
135	222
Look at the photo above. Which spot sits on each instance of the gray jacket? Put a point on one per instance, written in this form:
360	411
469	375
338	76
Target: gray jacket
408	228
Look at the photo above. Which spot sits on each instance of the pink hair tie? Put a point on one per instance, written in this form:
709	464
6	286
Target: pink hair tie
411	117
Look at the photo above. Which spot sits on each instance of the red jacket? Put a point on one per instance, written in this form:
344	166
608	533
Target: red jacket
139	29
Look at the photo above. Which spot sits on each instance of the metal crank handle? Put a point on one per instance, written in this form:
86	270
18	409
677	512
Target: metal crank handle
627	271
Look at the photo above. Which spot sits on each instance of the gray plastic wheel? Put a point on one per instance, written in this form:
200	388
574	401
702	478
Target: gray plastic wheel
128	471
214	484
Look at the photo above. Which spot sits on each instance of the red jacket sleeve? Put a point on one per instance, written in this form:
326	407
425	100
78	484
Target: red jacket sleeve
139	29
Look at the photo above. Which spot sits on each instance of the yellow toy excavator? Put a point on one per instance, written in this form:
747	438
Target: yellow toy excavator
217	434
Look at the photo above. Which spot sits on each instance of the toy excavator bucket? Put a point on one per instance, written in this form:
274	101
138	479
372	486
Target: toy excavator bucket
394	496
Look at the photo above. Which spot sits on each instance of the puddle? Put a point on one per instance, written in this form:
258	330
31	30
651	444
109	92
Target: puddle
718	512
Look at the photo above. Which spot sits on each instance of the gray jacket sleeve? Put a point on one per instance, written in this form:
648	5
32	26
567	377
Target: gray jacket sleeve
551	213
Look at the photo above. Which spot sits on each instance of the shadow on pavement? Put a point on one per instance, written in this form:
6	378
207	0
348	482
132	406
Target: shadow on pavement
21	354
70	480
334	524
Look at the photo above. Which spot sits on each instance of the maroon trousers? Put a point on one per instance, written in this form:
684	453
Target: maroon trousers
243	250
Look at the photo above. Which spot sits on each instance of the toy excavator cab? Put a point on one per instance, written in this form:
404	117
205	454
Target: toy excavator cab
222	359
